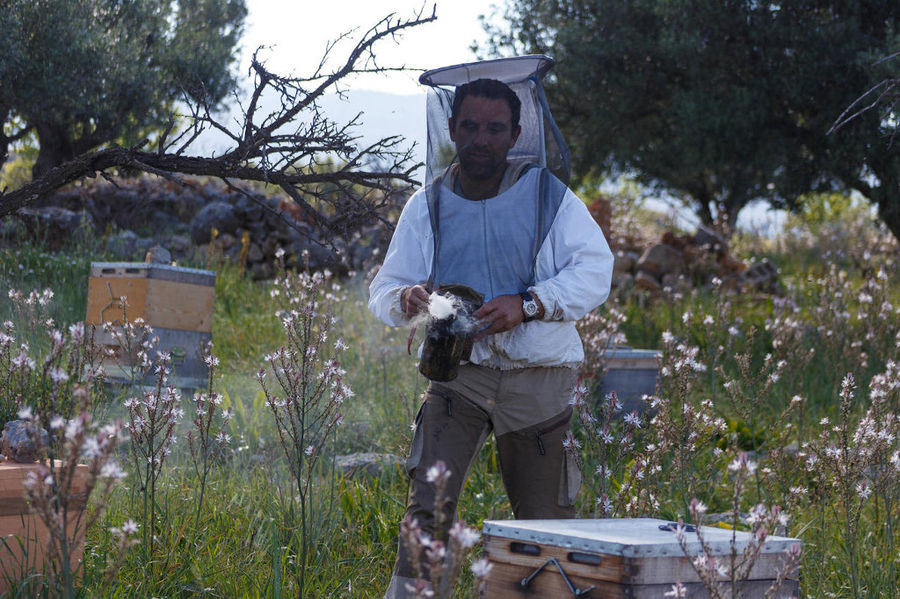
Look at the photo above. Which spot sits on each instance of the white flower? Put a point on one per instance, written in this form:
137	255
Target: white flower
481	568
708	320
733	331
90	448
633	419
678	591
437	472
112	470
23	361
76	332
863	490
58	375
25	413
129	527
465	536
605	505
571	443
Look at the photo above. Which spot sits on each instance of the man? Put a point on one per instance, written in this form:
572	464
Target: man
518	236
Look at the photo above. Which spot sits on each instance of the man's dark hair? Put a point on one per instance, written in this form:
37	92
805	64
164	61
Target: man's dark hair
488	88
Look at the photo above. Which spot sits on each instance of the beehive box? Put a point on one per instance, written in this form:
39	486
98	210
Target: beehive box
631	373
23	536
636	558
176	301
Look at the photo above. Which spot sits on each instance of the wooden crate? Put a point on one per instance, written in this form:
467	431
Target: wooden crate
176	302
619	558
23	536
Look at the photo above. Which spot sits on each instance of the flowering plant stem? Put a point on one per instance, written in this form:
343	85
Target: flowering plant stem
308	392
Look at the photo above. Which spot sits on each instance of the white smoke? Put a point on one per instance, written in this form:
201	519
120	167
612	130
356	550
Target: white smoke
446	307
441	307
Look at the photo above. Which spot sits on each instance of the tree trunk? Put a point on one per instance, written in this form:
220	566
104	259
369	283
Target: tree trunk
887	198
55	148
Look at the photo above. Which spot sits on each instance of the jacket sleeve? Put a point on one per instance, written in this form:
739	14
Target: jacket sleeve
404	263
575	264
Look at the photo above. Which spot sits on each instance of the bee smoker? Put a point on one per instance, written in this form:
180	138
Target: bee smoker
448	341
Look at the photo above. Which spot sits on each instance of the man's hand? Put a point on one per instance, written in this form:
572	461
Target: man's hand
414	300
500	314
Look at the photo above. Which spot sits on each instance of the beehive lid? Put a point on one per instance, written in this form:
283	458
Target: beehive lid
626	537
628	353
165	272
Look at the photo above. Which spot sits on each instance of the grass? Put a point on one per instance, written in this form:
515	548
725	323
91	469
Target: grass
245	542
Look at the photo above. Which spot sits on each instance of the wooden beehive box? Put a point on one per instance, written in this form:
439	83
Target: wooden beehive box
176	301
631	373
619	558
23	536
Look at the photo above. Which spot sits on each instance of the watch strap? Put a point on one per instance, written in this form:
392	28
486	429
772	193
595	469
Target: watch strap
527	298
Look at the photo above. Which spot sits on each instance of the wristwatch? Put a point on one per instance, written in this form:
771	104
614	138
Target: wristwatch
529	306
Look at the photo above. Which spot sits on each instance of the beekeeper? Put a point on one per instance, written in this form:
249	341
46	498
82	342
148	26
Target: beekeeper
515	233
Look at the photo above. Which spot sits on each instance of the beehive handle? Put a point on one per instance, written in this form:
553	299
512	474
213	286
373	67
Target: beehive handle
575	592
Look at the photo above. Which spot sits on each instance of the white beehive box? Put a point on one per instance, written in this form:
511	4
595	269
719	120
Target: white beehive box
623	558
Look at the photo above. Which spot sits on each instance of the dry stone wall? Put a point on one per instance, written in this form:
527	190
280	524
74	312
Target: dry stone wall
133	216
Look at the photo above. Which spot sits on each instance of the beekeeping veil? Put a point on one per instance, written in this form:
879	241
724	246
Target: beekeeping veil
540	140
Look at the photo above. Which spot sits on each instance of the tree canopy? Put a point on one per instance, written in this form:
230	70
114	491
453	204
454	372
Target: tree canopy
719	103
79	75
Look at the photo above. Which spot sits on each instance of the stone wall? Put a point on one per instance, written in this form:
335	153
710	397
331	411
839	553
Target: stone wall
680	261
134	215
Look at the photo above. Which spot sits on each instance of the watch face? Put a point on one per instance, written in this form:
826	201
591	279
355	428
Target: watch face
530	307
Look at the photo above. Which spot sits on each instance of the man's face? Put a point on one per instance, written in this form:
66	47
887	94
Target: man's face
483	135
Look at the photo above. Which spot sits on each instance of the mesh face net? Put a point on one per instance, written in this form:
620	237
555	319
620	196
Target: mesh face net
540	141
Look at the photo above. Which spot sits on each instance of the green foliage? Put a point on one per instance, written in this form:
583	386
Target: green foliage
244	541
83	74
16	172
718	103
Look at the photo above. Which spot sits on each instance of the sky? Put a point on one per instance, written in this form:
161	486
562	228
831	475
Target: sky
297	32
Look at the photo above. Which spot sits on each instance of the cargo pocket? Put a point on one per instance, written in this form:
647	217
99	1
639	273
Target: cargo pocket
557	432
415	449
569	478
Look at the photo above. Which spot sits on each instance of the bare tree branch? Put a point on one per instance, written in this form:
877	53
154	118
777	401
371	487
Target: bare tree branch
886	94
317	162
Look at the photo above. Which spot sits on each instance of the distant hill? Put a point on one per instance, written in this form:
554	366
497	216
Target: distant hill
383	115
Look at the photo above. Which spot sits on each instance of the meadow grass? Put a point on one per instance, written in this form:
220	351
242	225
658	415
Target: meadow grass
740	381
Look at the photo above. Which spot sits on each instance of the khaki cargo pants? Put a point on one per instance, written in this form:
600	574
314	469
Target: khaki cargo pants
529	413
